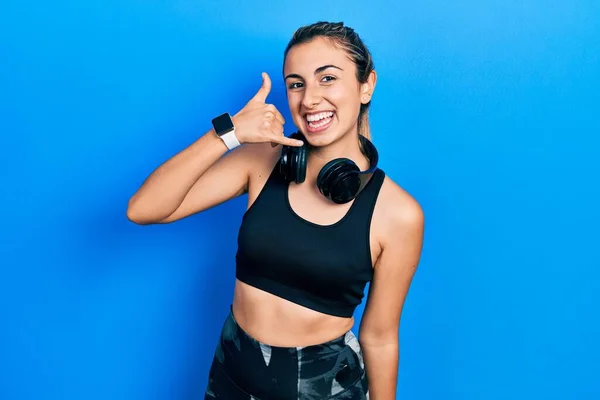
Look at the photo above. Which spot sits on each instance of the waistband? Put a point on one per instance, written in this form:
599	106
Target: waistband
328	370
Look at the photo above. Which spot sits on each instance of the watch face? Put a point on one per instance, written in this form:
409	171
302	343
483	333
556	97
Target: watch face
222	124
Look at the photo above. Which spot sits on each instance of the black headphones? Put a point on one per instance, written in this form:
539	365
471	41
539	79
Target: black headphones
340	180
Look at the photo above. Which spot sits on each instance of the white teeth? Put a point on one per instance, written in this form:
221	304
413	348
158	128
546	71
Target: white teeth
319	116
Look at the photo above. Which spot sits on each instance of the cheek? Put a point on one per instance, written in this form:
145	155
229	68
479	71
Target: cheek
294	104
293	100
346	102
342	97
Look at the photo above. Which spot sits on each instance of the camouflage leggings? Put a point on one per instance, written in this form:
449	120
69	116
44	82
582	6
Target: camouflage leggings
245	369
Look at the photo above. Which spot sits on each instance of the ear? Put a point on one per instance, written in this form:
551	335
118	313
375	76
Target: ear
367	88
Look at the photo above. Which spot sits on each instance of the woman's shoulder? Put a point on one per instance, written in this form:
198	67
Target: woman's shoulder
397	211
260	160
264	157
259	157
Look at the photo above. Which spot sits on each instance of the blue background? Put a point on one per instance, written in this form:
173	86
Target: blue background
485	111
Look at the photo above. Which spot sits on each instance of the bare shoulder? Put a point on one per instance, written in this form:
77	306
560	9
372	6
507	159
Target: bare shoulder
261	159
261	151
397	214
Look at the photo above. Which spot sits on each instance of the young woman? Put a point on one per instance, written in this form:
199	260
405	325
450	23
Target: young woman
315	231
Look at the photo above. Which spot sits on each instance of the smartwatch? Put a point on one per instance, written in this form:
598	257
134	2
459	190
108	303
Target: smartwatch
225	129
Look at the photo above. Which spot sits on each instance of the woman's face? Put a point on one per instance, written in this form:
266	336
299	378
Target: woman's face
323	93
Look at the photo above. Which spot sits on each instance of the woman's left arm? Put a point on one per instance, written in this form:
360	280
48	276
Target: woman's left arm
394	271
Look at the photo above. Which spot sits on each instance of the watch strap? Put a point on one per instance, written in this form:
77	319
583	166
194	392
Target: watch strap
230	140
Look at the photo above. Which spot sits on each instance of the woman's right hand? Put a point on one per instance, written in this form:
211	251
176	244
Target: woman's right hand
260	122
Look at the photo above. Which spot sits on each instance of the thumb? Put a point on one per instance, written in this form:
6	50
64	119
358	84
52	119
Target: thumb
264	90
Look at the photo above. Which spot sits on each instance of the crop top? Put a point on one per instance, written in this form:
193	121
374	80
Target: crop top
321	267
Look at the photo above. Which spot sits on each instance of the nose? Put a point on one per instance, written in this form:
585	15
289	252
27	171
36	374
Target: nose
312	97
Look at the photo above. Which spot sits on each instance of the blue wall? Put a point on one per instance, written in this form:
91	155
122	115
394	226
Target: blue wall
486	111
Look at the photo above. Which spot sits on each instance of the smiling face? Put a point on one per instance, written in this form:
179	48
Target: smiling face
323	92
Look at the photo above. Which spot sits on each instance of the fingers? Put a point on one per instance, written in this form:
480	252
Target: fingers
264	90
286	141
279	117
277	137
273	113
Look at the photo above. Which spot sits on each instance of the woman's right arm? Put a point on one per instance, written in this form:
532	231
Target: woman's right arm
162	197
203	175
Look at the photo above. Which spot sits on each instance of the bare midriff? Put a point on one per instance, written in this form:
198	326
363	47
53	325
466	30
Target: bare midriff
278	322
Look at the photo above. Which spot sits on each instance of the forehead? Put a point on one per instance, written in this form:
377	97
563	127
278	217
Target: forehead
305	58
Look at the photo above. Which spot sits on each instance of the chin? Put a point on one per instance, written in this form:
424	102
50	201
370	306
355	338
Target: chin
321	141
318	140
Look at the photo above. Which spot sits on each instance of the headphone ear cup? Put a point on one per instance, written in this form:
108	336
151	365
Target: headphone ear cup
324	176
345	187
338	180
300	163
292	162
285	161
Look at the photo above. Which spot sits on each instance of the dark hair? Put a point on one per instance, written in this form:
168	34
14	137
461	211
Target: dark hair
346	38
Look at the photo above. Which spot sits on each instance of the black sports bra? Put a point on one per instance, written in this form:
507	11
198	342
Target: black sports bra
322	267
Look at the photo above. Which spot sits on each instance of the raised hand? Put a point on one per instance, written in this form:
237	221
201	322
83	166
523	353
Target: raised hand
261	122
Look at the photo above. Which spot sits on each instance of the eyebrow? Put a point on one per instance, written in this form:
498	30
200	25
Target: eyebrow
318	70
